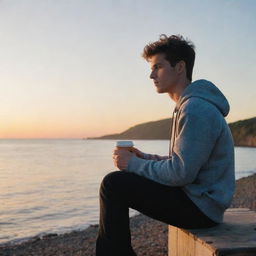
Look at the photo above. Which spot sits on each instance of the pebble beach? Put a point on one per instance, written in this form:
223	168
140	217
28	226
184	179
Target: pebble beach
149	237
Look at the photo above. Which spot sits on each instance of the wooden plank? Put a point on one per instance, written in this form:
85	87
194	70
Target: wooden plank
237	231
235	236
185	245
182	242
172	240
202	250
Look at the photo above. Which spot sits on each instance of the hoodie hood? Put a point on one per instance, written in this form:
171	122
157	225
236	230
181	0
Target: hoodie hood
207	91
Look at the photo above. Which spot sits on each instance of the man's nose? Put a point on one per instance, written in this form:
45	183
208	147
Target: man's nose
152	75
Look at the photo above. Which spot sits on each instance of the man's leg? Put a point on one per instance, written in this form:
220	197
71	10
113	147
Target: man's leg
122	190
114	238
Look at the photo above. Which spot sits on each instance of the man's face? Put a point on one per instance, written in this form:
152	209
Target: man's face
165	76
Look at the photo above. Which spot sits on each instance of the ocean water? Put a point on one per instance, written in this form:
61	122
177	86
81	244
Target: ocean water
51	186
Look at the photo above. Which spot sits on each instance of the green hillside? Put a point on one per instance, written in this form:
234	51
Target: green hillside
156	130
244	132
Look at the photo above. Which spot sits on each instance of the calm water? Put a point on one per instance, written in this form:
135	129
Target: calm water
51	186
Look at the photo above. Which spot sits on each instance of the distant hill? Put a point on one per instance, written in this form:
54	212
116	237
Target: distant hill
155	130
244	132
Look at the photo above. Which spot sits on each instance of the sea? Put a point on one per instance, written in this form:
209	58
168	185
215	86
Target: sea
52	185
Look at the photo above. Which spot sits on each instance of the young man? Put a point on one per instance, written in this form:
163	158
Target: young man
190	188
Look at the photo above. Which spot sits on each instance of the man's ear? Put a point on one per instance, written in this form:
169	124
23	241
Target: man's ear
181	67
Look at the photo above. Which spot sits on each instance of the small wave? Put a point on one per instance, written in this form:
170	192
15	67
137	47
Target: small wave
6	223
15	241
8	241
4	237
65	213
241	174
30	210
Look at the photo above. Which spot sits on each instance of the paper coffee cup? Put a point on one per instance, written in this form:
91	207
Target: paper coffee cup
127	144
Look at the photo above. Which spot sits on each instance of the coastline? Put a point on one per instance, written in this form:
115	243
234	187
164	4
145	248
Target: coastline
149	237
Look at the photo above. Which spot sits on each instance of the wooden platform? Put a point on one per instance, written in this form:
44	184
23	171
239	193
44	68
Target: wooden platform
235	237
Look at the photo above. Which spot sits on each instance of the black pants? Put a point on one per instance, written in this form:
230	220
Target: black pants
121	190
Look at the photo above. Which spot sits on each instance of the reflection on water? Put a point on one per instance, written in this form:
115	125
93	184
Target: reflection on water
51	186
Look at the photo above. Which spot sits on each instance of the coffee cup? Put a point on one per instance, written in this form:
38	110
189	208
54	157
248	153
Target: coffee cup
125	144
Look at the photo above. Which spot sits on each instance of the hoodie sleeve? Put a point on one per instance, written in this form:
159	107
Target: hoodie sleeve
154	157
194	142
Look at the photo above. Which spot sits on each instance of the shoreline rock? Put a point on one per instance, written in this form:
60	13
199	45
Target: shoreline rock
149	237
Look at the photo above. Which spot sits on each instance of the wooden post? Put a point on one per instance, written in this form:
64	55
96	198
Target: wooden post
235	237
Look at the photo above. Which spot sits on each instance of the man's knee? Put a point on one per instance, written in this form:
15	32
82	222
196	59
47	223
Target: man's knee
116	181
109	178
109	181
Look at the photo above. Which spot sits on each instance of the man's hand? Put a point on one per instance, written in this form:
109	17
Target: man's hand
121	158
138	153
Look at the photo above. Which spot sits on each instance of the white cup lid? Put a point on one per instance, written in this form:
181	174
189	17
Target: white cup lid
124	143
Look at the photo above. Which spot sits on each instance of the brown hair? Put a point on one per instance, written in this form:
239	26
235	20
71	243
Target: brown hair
175	48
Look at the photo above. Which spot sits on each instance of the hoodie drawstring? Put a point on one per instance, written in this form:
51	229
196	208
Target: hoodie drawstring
172	131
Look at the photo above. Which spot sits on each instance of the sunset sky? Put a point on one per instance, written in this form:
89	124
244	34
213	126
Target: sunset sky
73	69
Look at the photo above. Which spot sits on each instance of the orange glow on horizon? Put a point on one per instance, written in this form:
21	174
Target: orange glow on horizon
33	129
54	131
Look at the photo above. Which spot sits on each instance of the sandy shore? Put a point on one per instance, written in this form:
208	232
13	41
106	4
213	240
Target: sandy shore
149	237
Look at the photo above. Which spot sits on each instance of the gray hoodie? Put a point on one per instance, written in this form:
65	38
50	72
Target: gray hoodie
201	158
